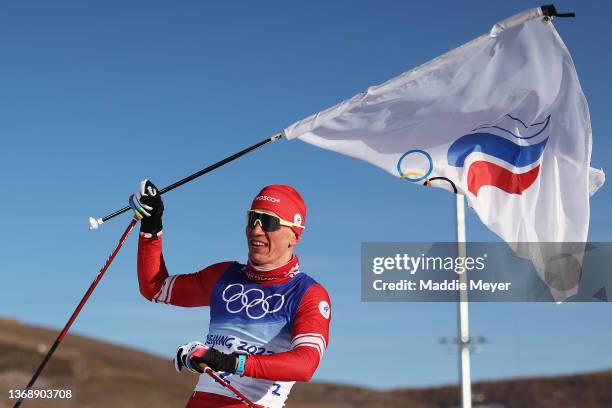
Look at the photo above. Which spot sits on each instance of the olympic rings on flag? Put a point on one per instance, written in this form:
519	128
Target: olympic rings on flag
251	299
429	180
414	176
406	175
410	174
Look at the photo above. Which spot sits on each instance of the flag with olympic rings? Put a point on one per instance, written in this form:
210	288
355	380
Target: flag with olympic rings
501	119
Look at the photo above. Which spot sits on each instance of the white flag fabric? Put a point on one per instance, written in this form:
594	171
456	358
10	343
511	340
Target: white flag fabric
501	119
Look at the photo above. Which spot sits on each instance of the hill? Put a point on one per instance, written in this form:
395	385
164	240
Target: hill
105	375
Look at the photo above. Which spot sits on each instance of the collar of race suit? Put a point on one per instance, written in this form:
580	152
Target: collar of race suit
272	276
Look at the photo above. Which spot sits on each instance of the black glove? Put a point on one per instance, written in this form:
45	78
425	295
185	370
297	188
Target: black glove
217	360
148	207
191	355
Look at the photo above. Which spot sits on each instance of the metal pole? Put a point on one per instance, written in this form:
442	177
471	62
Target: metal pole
94	223
76	312
464	336
227	385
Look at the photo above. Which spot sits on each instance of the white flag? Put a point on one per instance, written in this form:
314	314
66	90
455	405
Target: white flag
501	119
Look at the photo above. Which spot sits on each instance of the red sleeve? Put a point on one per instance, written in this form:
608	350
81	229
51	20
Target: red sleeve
187	290
310	336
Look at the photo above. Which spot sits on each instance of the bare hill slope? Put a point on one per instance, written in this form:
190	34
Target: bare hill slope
105	375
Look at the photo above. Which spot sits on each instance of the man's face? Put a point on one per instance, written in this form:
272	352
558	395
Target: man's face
270	249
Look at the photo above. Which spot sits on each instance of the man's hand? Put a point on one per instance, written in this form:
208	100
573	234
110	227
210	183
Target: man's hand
148	207
195	356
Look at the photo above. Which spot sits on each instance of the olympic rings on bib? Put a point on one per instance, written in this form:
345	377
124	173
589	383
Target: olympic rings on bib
254	301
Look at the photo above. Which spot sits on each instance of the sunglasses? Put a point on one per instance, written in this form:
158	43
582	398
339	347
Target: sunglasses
267	222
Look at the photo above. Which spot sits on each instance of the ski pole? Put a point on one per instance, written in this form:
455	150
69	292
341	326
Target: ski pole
94	223
76	312
227	385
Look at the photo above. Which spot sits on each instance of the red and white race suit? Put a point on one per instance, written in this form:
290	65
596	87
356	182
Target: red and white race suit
282	323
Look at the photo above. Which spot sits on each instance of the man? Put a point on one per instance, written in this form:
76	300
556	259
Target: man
269	322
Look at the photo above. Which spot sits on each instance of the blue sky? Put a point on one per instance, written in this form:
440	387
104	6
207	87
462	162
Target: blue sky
96	96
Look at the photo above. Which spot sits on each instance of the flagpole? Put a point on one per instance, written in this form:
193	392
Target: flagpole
464	336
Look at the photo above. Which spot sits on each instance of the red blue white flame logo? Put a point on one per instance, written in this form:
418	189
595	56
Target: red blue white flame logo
511	144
